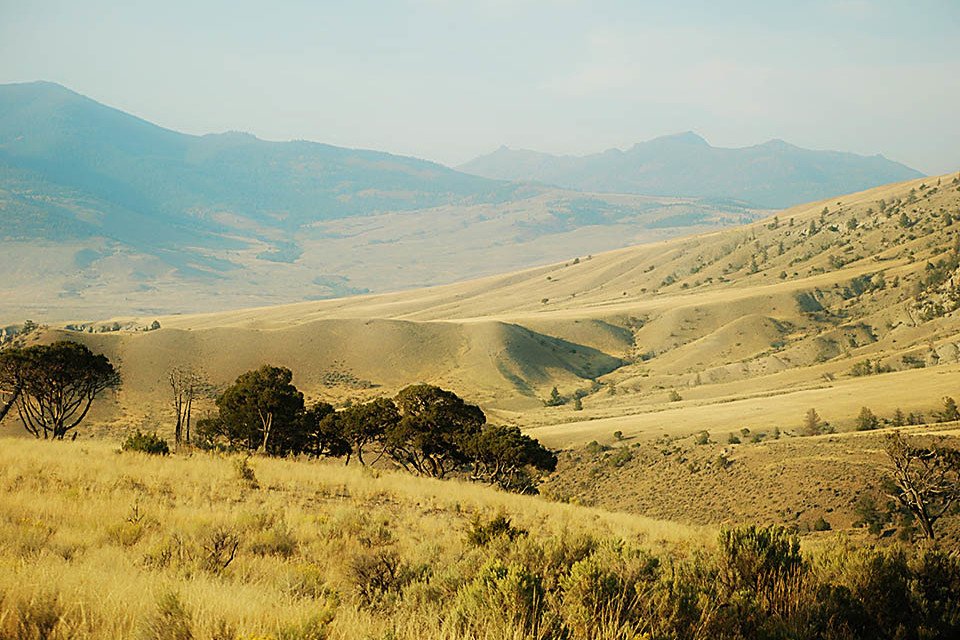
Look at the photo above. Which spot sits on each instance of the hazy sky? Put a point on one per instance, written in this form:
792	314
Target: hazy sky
451	79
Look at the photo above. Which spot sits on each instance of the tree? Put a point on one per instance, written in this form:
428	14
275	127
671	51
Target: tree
55	385
262	411
364	424
898	418
867	421
434	427
187	384
322	433
555	399
813	424
950	412
509	459
926	479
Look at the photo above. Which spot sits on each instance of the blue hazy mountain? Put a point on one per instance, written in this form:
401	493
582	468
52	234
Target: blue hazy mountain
71	167
775	174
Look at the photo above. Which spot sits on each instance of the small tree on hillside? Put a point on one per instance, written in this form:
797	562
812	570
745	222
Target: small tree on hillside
950	412
555	399
813	424
899	419
867	421
926	479
55	385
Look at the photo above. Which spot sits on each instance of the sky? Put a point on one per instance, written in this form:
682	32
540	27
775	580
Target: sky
448	80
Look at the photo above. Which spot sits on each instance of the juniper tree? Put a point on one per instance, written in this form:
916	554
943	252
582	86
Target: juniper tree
54	386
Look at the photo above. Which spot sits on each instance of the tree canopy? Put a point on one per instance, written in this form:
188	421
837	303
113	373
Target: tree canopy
53	386
424	429
263	411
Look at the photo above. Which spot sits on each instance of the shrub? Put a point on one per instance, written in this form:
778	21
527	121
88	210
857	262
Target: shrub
245	472
733	439
675	396
375	575
622	456
39	617
149	443
481	531
275	541
505	597
602	593
171	621
750	556
820	524
701	438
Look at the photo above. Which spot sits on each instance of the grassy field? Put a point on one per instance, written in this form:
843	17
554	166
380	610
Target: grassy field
99	540
98	543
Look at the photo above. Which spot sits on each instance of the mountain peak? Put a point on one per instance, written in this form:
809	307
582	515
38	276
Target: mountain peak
686	137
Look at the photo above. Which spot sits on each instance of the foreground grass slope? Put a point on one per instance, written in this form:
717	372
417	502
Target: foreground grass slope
98	539
95	543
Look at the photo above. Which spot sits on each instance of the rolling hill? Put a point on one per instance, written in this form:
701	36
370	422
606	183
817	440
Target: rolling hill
834	304
774	174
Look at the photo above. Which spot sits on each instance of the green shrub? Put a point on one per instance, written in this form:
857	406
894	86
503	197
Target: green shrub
482	531
149	443
504	597
603	592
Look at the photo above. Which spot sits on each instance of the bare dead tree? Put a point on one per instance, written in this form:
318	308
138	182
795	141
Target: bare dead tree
927	479
187	384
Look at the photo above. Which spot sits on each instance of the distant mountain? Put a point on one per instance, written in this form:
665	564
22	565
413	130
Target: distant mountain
774	174
103	213
76	167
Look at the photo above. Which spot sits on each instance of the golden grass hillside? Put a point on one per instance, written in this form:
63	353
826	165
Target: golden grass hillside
97	543
101	540
744	476
748	326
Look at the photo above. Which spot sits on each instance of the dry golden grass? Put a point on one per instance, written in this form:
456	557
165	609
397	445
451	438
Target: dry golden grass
778	478
104	541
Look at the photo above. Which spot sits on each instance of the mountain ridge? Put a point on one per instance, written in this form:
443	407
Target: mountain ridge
685	162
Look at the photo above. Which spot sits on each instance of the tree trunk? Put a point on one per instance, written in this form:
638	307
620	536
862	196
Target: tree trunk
187	421
267	421
5	408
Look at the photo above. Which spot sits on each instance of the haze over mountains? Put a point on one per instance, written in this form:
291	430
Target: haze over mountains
103	213
775	174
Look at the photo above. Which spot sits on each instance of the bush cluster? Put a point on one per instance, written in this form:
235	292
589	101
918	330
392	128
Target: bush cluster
146	443
755	584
